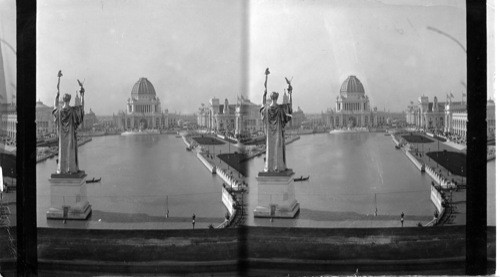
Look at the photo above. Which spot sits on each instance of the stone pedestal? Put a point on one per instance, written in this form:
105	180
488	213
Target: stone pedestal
68	196
276	195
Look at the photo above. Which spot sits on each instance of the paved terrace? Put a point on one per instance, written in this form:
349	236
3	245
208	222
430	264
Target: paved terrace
250	250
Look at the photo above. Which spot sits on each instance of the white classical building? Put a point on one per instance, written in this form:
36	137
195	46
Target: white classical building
352	107
456	118
143	109
459	124
240	120
248	119
427	115
8	121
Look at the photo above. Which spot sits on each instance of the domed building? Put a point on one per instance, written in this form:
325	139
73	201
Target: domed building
143	110
352	107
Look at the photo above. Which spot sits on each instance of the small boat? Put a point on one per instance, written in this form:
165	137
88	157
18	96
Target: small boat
94	180
397	147
188	148
301	179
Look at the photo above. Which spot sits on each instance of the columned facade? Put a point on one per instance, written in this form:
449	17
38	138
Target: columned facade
352	107
459	124
143	109
427	115
239	120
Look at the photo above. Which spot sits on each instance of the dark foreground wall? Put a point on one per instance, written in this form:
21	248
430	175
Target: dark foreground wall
435	250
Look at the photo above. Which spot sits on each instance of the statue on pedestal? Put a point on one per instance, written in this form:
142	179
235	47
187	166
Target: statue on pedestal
67	119
275	117
68	187
275	189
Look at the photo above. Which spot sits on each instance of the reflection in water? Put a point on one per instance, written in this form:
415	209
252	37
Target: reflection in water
142	178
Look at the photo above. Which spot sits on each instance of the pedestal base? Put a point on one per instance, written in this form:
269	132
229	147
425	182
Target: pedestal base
81	212
276	195
68	197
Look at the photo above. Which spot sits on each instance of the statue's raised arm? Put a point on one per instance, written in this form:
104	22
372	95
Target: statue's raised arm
59	75
289	82
82	92
267	72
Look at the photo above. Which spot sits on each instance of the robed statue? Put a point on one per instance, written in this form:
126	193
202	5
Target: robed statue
275	117
67	120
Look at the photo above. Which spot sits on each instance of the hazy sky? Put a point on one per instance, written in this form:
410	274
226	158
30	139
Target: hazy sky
388	46
7	50
189	50
192	50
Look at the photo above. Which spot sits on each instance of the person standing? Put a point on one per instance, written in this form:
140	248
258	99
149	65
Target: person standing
194	220
402	219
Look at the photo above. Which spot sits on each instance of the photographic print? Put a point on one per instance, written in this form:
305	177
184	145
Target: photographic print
259	138
8	132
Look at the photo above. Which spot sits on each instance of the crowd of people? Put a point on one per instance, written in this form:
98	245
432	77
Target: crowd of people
456	139
491	151
6	140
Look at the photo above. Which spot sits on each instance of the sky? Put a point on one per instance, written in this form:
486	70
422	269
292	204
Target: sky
189	50
8	82
192	51
386	44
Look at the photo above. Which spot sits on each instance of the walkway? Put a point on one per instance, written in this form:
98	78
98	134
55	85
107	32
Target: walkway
455	214
456	146
424	148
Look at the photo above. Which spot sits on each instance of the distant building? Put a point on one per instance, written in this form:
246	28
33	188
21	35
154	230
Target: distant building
8	121
184	121
107	121
490	118
459	124
314	121
222	117
427	115
352	107
455	118
248	119
89	120
298	117
240	120
143	109
396	118
44	119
